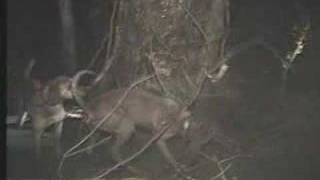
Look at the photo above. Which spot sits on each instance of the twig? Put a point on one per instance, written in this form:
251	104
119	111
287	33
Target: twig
104	119
202	81
219	165
188	79
229	158
218	76
274	52
161	83
226	25
231	53
98	52
222	172
202	74
105	39
109	60
235	51
106	68
111	34
197	166
89	147
196	22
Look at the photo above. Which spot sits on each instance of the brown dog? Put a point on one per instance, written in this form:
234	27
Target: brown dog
46	108
141	109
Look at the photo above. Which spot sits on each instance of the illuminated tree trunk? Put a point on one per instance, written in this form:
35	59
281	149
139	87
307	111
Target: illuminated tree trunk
180	41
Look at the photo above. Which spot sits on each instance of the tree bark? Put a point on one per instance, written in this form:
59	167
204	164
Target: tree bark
175	39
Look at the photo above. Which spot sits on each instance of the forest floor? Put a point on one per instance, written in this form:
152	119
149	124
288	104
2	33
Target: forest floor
276	144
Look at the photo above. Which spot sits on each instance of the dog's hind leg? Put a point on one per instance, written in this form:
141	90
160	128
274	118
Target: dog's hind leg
123	134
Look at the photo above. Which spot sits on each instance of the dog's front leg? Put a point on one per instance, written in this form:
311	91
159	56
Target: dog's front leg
162	145
57	136
37	133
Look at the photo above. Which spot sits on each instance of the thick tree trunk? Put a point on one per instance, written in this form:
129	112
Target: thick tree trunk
178	40
68	36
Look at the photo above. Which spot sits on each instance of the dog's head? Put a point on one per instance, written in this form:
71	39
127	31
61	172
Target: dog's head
58	89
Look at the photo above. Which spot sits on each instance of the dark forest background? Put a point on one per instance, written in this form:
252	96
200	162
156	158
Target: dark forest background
278	132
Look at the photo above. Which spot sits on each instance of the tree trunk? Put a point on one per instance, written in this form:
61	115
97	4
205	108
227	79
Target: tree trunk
68	36
178	40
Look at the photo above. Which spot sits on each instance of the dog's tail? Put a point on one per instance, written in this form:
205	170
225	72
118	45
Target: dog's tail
24	115
75	88
28	70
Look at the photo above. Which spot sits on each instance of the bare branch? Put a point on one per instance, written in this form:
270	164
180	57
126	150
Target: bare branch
274	52
222	172
89	147
155	69
111	34
196	22
222	169
229	158
109	60
202	80
222	71
188	78
107	38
